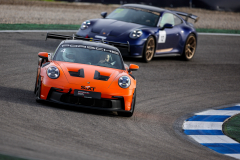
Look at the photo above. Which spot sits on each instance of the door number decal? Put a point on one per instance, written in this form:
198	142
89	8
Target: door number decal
162	37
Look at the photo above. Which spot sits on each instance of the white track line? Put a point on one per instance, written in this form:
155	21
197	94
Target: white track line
218	34
199	125
234	155
218	112
212	139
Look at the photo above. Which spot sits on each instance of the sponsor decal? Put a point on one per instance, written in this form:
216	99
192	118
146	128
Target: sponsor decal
81	93
88	88
162	37
100	37
119	10
90	47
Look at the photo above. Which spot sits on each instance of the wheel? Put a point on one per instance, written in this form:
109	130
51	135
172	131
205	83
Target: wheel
149	49
130	113
38	89
190	48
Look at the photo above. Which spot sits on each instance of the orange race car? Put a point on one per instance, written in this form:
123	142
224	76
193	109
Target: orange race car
86	74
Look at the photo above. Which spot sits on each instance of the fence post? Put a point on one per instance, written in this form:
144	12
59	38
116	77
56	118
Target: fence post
190	3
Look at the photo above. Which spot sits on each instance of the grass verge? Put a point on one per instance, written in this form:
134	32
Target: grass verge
39	27
76	27
203	30
5	157
232	128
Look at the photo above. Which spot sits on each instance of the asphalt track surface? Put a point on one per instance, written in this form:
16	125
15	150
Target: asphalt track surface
168	92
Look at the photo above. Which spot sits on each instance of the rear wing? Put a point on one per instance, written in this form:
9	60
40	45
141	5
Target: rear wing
187	15
76	37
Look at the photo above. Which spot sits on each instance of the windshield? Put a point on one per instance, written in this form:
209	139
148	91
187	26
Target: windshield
89	55
135	15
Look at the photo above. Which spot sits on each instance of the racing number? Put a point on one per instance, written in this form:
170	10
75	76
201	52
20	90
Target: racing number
162	37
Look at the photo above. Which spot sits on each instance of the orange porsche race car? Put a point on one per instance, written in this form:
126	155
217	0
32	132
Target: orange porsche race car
86	74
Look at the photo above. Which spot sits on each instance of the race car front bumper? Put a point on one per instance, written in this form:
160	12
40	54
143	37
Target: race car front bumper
116	104
110	100
135	51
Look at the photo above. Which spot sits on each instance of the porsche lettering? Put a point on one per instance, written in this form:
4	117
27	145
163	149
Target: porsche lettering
89	47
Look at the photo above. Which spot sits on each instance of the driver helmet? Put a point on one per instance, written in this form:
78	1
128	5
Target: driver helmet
68	55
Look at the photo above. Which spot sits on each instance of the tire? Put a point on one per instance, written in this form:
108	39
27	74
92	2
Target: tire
38	90
189	48
35	88
130	113
149	49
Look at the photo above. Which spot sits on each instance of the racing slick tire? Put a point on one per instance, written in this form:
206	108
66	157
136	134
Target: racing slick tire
130	113
149	49
38	89
35	88
189	48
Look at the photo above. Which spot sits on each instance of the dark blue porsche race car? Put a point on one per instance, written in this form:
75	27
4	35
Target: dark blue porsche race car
144	31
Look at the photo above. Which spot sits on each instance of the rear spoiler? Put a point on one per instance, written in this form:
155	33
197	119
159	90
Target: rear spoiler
76	37
187	15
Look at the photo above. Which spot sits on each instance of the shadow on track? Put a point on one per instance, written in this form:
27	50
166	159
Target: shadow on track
27	97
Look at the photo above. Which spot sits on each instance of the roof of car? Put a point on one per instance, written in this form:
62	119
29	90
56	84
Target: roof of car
89	43
156	9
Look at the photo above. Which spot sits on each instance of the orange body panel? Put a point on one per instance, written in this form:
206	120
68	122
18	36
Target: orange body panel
107	88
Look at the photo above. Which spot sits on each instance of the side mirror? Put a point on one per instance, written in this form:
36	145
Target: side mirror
133	67
43	55
167	25
104	14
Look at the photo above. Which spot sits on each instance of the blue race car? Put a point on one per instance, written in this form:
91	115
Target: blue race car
144	31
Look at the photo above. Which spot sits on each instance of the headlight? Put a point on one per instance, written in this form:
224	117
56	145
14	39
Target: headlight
53	72
124	82
85	24
136	34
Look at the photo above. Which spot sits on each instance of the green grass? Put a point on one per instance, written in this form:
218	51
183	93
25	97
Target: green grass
232	128
202	30
5	157
76	27
39	27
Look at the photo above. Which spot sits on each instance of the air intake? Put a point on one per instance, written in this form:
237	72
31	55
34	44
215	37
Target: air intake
79	73
98	76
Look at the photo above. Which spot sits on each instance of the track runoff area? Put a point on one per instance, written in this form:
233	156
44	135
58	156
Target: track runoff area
206	128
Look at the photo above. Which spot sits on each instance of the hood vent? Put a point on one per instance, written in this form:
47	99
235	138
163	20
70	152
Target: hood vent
79	73
100	77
